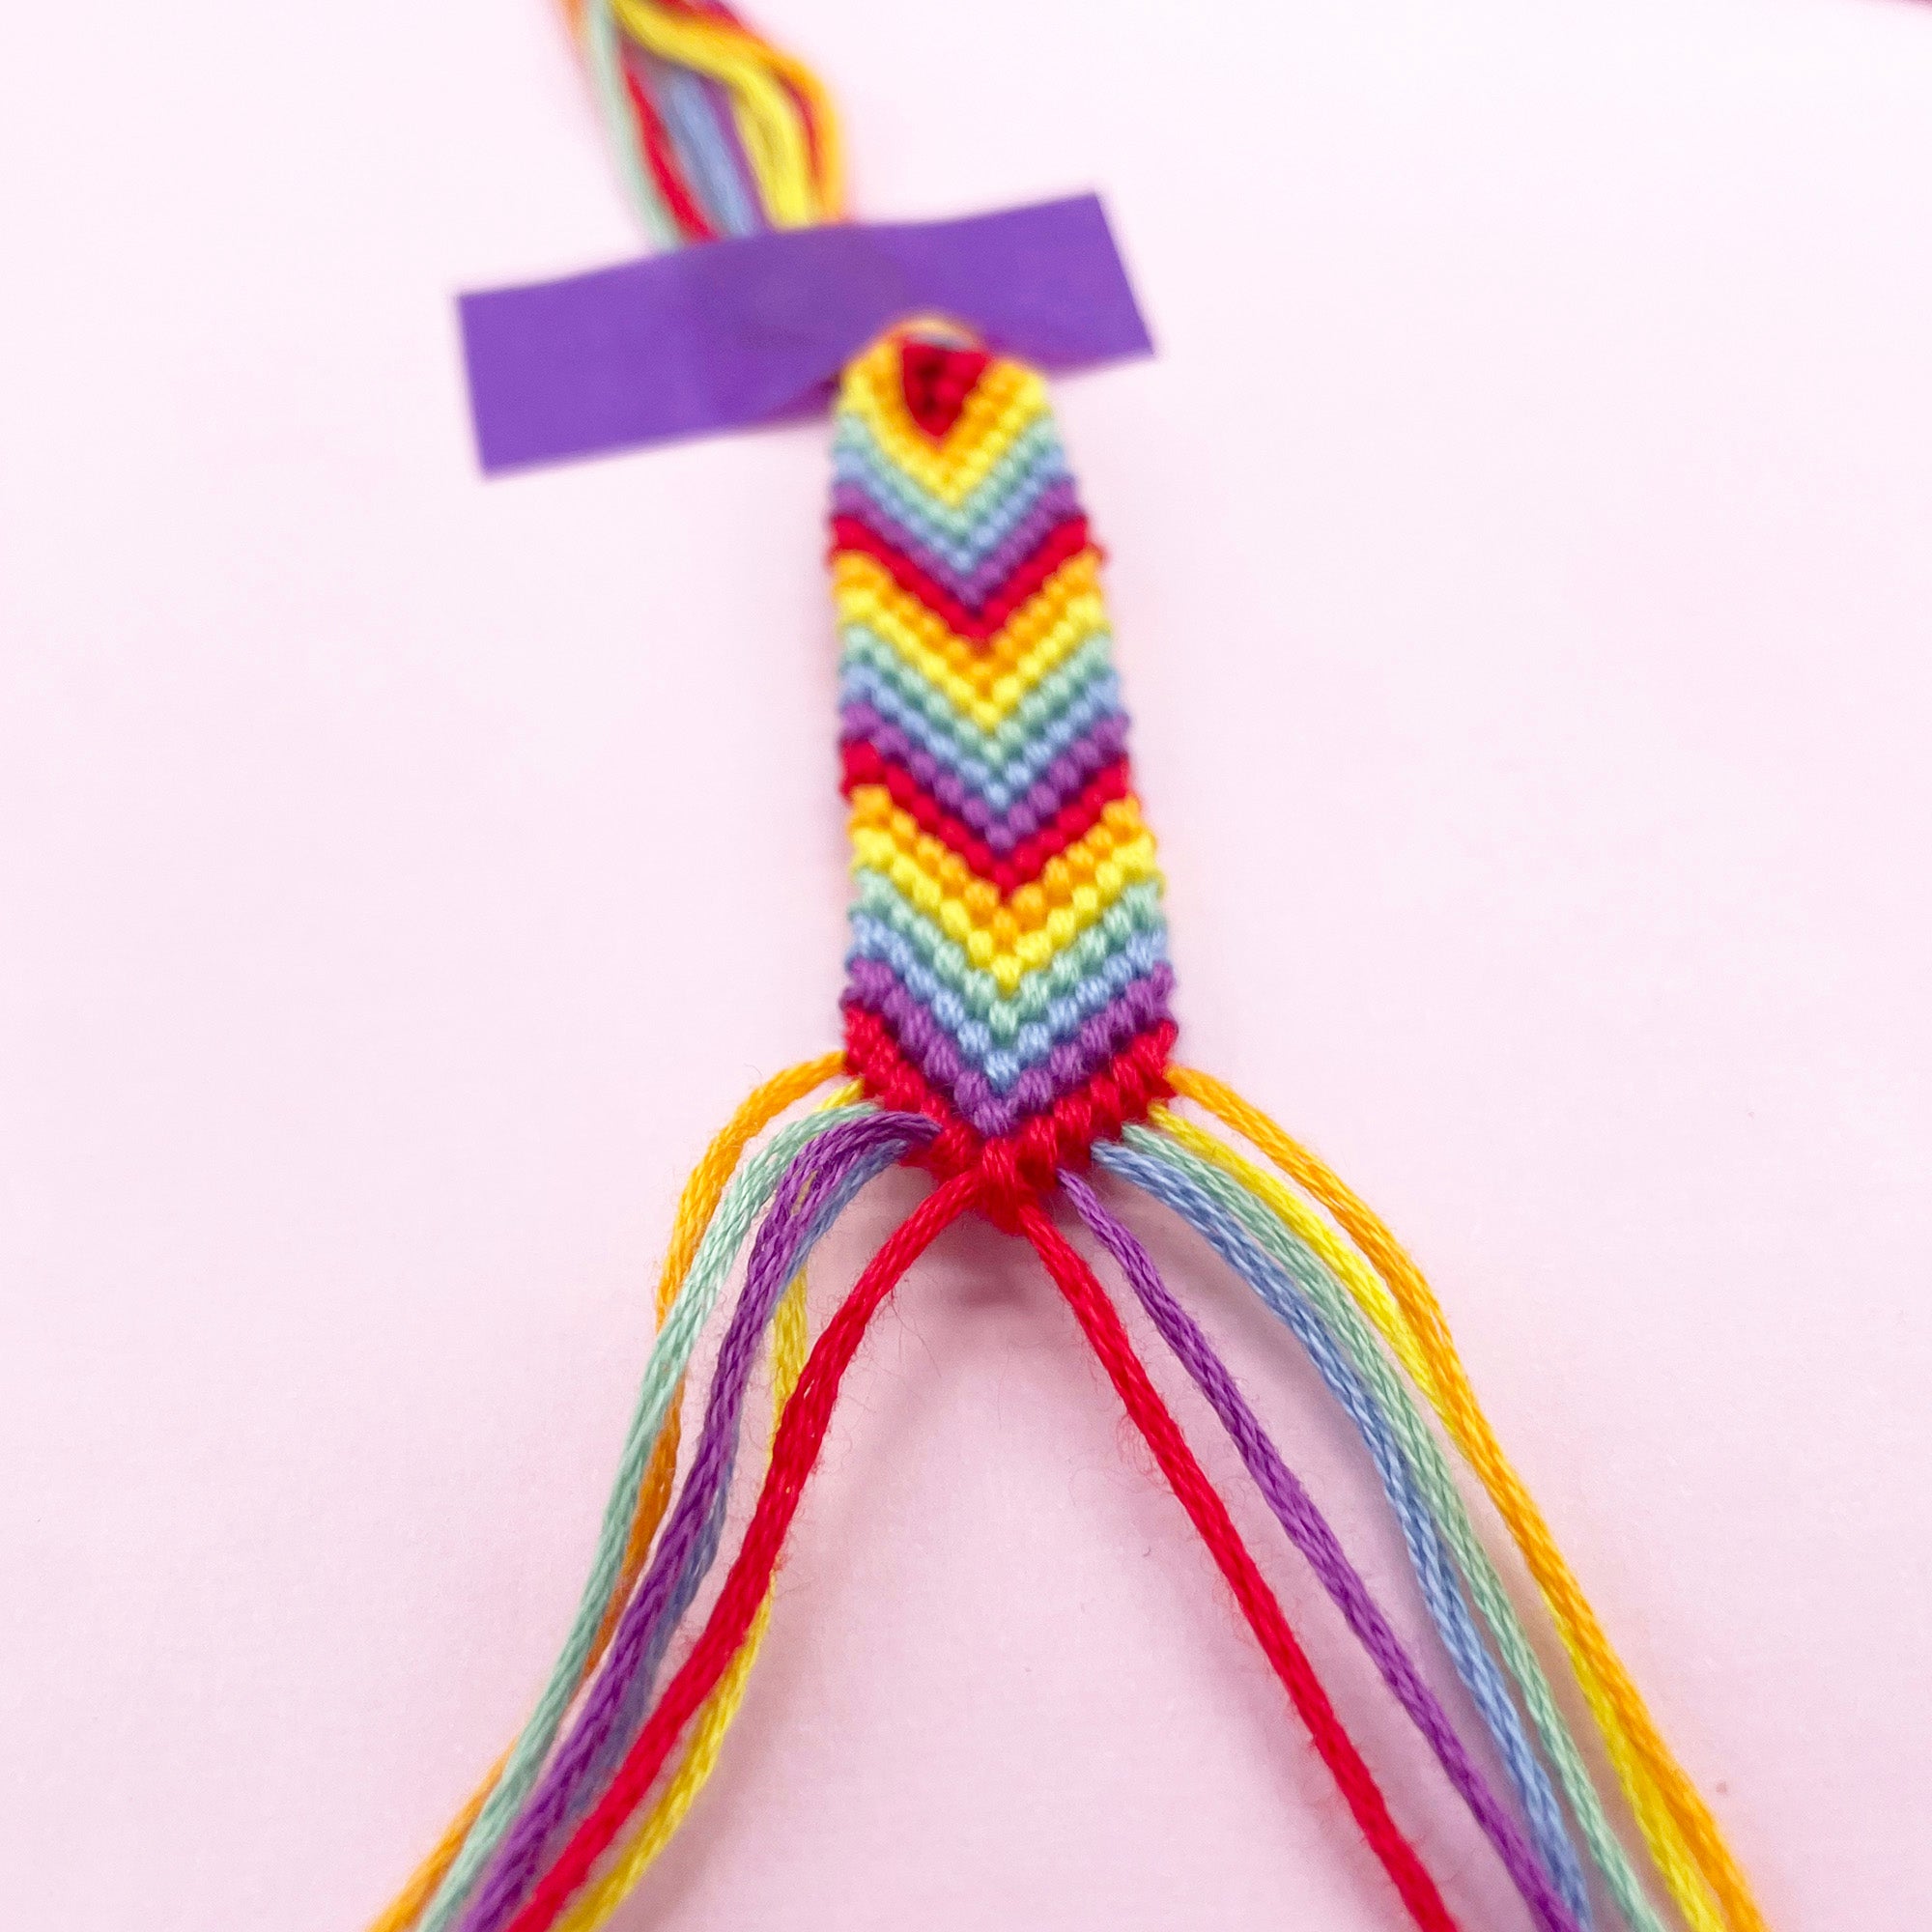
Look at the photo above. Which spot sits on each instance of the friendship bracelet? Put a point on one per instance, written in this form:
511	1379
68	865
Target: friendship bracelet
1007	1023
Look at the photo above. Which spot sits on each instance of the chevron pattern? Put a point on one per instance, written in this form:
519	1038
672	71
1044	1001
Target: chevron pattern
1007	972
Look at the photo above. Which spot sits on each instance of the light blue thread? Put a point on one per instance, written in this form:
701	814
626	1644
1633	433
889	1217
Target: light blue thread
1003	1062
1160	1176
605	55
1034	461
962	555
1134	921
1445	1501
740	1203
1067	685
710	168
1002	789
704	1551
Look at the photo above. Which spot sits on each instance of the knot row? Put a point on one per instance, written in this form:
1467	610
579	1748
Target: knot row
1023	1166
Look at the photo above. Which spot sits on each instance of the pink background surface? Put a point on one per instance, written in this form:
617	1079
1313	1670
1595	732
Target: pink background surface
1522	579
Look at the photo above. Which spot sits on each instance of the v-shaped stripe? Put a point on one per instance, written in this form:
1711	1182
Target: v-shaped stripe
1003	403
1053	721
1007	872
979	623
1133	928
992	731
969	566
1007	972
1119	1090
1033	462
986	679
1005	934
1004	811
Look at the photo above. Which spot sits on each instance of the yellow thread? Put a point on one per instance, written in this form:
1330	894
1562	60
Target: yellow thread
1003	404
1689	1849
987	681
1006	937
1117	833
1344	1260
695	1206
1008	399
595	1904
1456	1408
770	125
402	1910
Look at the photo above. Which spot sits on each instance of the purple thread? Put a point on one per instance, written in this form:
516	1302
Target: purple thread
817	1180
925	1042
1055	505
1094	752
1309	1530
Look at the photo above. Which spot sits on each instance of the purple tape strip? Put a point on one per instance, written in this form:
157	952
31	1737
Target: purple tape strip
733	333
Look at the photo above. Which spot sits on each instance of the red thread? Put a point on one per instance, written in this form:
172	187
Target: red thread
794	1451
801	1435
1005	1192
815	133
1068	538
936	380
1119	1091
1108	1339
866	764
663	165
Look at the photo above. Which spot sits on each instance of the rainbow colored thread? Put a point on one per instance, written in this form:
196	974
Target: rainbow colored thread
1006	1022
1008	974
716	130
1008	1018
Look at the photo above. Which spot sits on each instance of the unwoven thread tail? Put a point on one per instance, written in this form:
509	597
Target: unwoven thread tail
1690	1851
697	1203
1360	1310
801	1434
1185	1476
